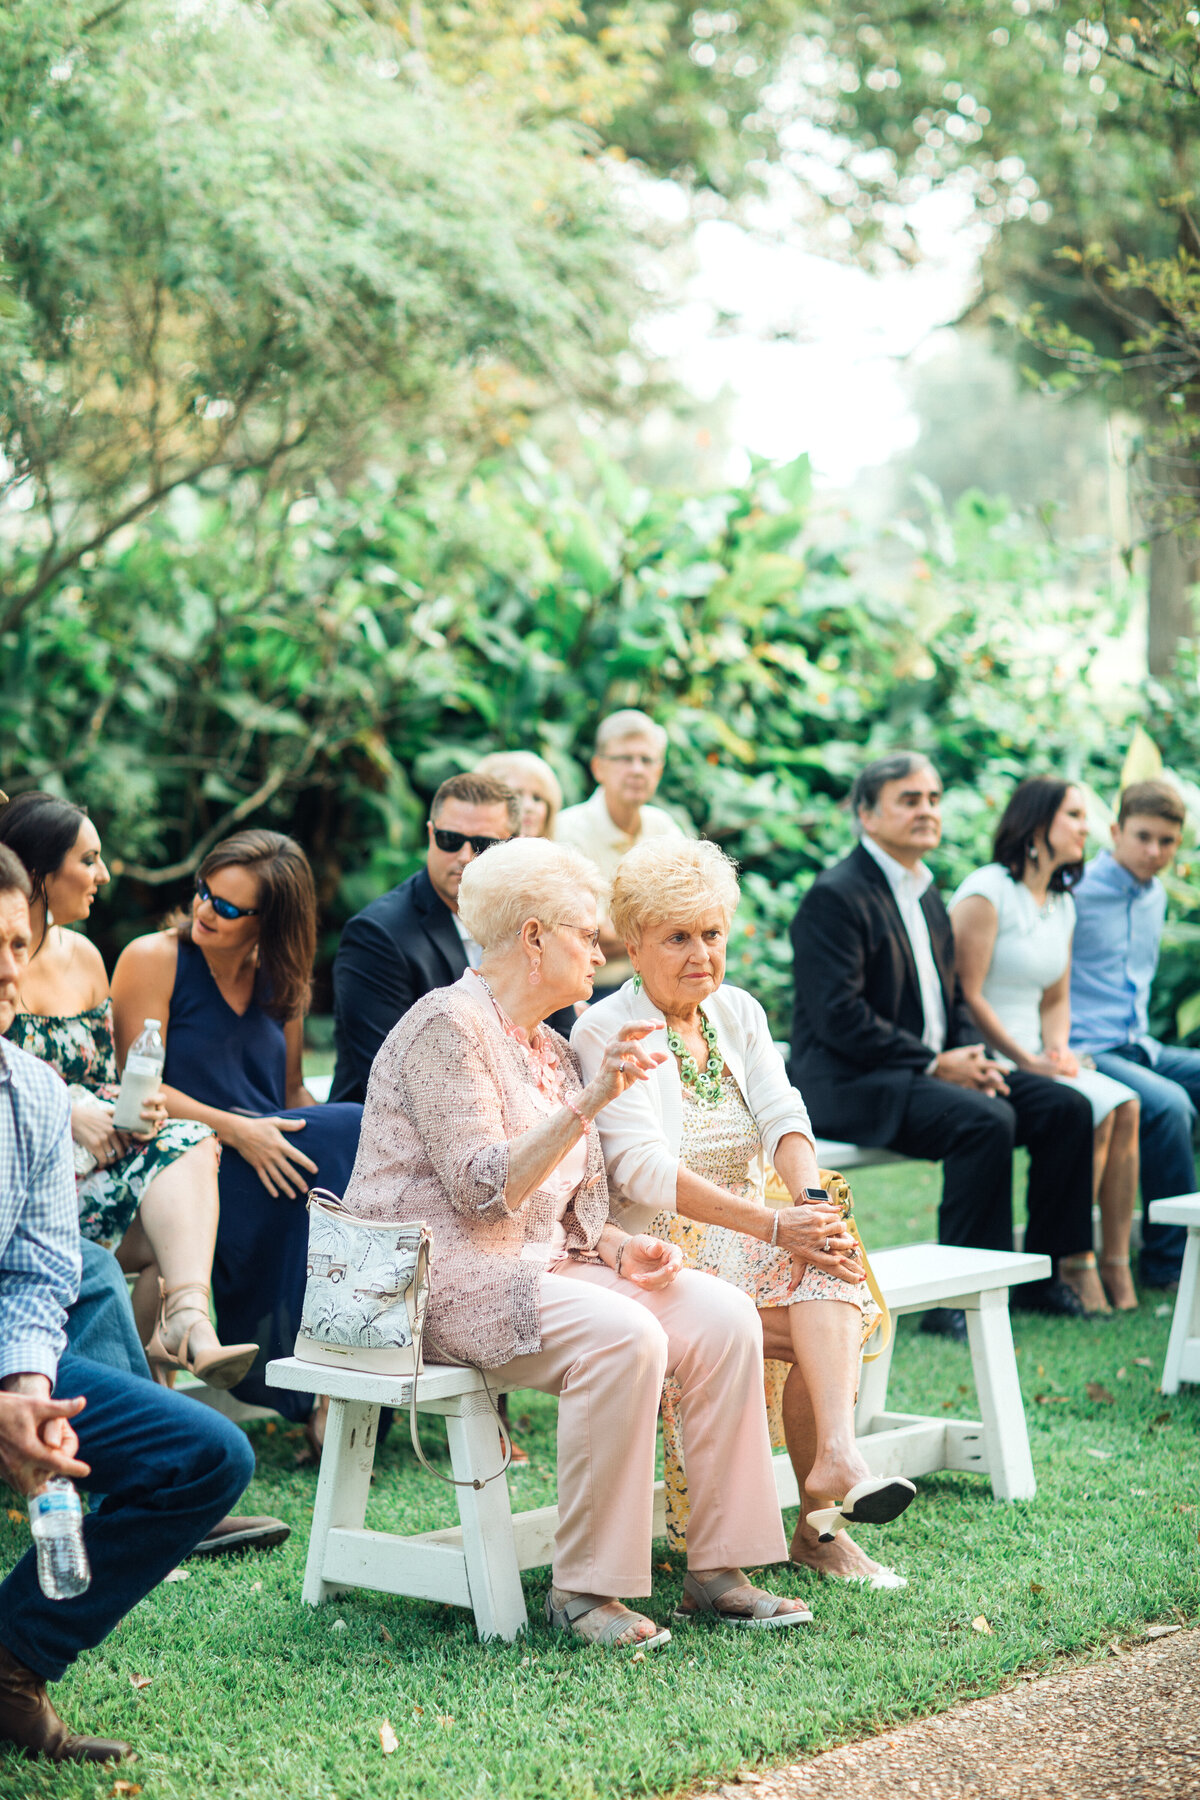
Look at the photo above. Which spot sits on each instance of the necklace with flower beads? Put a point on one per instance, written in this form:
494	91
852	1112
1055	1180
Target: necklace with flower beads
706	1087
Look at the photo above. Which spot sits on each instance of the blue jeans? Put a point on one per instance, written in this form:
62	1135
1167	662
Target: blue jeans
1169	1094
100	1322
168	1470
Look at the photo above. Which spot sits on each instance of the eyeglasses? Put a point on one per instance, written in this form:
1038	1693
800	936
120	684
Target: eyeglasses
224	909
592	934
452	841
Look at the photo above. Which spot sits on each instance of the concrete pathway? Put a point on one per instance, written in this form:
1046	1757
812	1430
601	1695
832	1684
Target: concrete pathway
1124	1729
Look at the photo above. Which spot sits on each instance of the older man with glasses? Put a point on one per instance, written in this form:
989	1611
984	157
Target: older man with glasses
411	940
627	766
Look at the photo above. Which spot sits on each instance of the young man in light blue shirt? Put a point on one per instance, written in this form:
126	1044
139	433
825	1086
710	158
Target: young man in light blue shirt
1120	908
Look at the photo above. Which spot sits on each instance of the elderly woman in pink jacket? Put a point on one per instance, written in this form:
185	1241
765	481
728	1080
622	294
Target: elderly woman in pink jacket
477	1121
688	1151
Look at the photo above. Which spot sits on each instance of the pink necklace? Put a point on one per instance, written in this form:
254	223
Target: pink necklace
543	1063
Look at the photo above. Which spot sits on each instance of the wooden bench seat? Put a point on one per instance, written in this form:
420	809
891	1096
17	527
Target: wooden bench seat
477	1563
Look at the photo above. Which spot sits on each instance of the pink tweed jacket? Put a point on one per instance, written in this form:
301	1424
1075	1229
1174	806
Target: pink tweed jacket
449	1088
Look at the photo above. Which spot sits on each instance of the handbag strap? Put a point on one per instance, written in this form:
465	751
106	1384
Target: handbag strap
331	1203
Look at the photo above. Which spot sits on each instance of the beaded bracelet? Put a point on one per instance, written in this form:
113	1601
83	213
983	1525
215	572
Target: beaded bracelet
620	1254
583	1120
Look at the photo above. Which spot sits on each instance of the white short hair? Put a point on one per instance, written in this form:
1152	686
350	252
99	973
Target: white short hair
669	880
525	878
627	724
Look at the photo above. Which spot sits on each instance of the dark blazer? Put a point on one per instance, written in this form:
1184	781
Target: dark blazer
857	1021
392	953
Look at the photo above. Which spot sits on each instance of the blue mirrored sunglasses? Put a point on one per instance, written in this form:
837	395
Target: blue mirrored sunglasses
224	909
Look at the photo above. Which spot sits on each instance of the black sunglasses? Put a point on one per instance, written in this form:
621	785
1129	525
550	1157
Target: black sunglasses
452	841
224	909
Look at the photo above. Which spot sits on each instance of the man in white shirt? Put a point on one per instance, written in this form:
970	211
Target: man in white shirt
885	1050
628	766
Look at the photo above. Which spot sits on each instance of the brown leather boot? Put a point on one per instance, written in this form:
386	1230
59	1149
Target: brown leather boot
28	1720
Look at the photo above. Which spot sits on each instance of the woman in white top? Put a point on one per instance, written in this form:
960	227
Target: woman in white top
687	1153
1013	923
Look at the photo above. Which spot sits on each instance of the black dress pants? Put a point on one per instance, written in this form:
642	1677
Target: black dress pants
972	1135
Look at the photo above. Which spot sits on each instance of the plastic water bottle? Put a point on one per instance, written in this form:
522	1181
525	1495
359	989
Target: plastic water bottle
142	1077
56	1520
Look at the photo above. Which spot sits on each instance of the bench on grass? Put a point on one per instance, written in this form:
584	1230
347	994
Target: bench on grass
477	1564
1183	1346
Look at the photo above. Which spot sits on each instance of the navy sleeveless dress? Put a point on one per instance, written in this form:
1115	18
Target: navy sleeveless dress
239	1064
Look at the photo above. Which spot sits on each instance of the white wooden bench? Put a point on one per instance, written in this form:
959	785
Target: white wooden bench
1183	1346
478	1563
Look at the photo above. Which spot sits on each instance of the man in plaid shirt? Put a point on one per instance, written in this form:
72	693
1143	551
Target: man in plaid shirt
169	1470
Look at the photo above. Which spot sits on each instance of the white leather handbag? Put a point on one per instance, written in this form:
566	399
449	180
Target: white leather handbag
367	1290
365	1303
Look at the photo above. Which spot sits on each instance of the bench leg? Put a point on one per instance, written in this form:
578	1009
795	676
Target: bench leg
347	1459
999	1388
873	1387
1185	1321
493	1573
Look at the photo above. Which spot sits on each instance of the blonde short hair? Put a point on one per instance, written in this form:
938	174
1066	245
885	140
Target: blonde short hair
523	771
627	724
525	878
666	879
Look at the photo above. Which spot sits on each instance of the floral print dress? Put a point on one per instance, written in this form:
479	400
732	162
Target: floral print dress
722	1143
80	1047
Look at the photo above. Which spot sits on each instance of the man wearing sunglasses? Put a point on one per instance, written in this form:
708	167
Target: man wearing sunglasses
411	939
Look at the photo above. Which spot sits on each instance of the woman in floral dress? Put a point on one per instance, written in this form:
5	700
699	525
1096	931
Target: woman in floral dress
689	1154
151	1199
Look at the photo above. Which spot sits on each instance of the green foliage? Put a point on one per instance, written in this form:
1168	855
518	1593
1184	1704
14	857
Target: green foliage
325	665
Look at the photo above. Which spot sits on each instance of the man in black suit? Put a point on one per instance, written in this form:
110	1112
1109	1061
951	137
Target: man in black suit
411	939
885	1050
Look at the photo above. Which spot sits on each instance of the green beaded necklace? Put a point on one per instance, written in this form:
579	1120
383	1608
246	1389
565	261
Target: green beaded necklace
706	1087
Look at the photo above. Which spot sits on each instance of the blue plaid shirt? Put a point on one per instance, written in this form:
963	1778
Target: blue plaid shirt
39	1215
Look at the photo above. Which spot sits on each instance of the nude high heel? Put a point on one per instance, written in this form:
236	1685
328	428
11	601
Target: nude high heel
222	1367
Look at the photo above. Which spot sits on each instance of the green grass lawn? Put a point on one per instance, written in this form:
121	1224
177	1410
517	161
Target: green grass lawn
251	1694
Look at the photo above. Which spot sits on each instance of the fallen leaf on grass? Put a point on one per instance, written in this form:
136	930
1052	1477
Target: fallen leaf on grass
1052	1399
178	1575
638	1656
1121	1374
18	1518
667	1568
1041	1368
981	1625
386	1635
1179	1507
140	1681
270	1429
1157	1631
1101	1455
1035	1587
1142	1362
418	1712
1161	1419
445	1720
388	1741
1114	1649
124	1787
1097	1391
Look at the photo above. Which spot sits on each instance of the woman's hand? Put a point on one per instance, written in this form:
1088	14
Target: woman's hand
649	1262
625	1062
818	1234
1042	1065
92	1126
273	1158
1065	1062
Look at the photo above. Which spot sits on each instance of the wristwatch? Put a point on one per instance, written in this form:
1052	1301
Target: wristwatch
815	1196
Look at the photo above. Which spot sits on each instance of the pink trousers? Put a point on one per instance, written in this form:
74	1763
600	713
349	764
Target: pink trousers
606	1347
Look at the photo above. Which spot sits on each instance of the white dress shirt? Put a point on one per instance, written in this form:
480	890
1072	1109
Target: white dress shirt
907	887
474	951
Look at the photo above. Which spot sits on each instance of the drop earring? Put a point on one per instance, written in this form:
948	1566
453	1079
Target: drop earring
1033	854
535	974
637	984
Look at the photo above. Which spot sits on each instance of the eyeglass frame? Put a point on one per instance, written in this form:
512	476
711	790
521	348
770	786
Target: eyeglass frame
591	932
478	844
224	909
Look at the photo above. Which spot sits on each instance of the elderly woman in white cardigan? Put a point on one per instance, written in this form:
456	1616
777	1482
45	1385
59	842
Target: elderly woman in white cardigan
477	1121
687	1153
